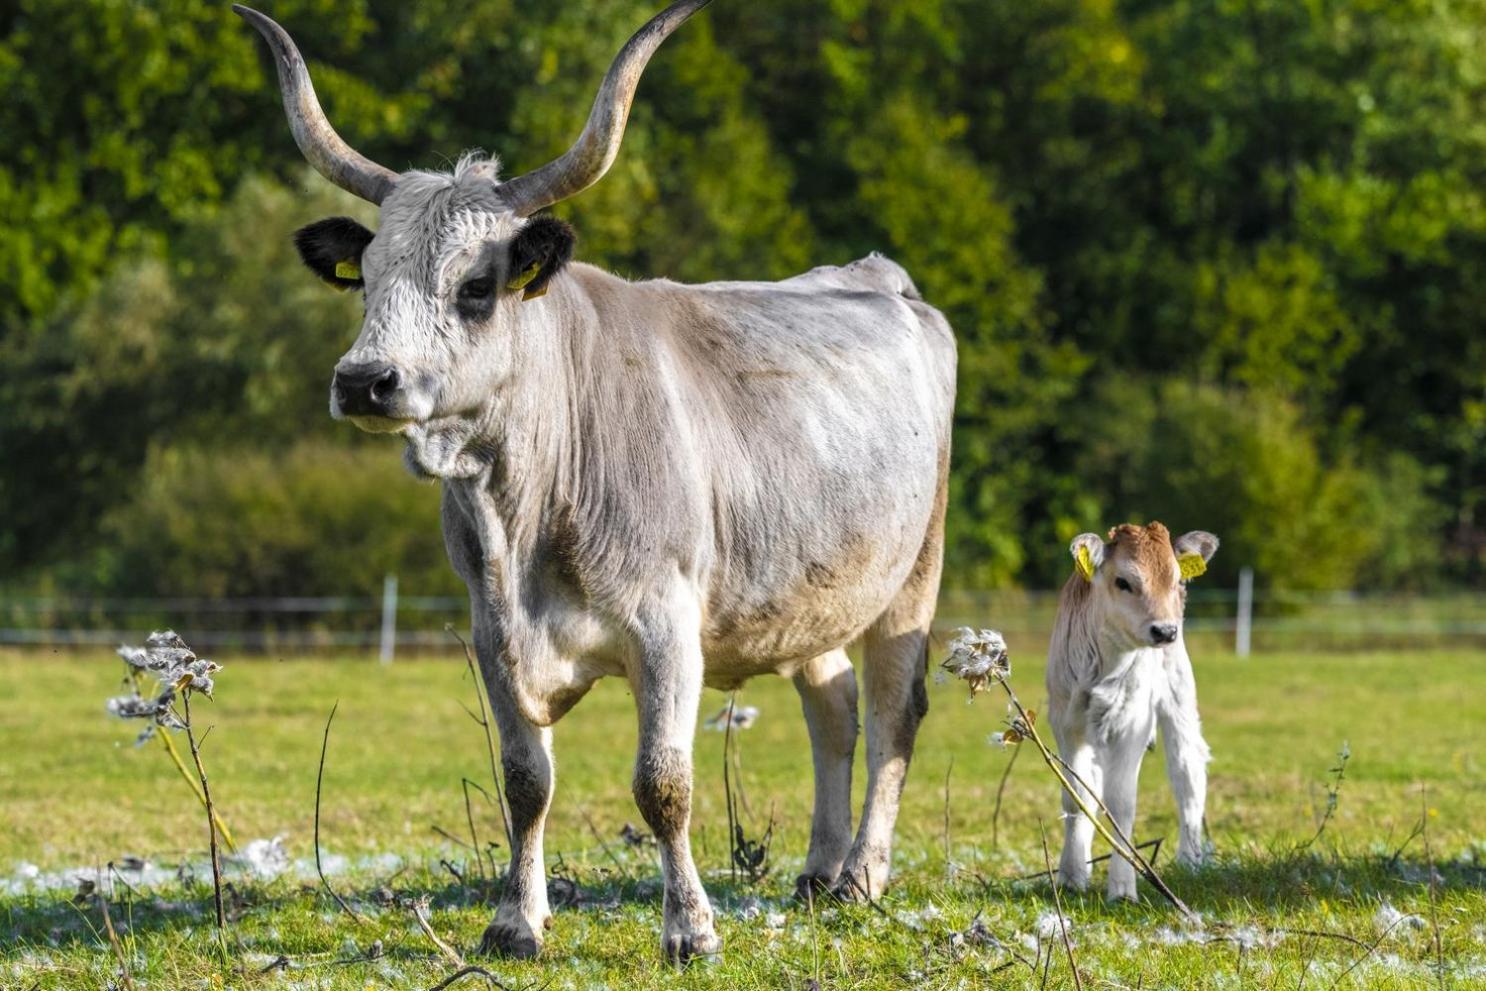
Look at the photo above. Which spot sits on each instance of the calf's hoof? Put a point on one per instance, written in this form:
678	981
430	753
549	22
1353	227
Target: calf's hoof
681	949
504	940
1191	859
1072	879
1122	893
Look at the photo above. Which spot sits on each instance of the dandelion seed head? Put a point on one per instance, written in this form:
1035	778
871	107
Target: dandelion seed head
978	657
1387	919
175	668
743	716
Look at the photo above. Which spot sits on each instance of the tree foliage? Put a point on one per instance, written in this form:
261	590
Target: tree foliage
1219	262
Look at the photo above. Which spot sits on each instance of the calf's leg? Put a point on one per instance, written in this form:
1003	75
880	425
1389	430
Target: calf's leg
1186	757
1078	829
828	694
1120	759
668	690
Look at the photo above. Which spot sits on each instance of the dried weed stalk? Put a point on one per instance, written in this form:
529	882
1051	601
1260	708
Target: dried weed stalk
1333	793
179	674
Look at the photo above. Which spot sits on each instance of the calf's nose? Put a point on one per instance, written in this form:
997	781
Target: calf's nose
366	390
1163	632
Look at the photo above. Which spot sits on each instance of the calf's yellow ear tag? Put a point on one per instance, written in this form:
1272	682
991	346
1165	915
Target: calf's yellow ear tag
1191	565
347	270
524	278
1084	562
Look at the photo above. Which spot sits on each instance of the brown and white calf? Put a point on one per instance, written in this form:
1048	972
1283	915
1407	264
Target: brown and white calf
1118	668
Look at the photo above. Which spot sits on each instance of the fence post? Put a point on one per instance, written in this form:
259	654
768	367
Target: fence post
1244	628
389	618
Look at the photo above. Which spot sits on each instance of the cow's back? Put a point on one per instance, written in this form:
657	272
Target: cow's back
819	412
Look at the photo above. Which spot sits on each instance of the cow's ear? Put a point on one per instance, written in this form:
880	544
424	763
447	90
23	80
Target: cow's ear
538	252
1193	551
1088	553
332	250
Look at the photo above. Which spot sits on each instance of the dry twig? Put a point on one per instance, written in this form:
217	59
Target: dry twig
468	970
1078	982
1000	791
419	908
319	779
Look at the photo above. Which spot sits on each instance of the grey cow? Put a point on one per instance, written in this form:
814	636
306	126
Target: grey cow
678	485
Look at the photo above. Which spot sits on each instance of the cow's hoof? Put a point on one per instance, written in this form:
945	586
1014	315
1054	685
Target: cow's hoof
856	887
1121	893
682	948
809	887
503	940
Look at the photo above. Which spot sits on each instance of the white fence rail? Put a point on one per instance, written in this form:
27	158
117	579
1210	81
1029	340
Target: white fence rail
1241	619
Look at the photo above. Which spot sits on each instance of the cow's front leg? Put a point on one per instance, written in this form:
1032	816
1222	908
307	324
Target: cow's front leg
526	763
668	690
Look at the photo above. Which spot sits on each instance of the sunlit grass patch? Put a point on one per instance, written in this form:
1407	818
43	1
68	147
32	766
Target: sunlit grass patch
77	795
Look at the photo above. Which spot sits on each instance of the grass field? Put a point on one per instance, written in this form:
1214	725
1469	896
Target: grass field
74	793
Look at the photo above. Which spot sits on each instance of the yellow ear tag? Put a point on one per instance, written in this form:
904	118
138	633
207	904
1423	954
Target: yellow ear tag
1192	565
1084	562
347	270
520	280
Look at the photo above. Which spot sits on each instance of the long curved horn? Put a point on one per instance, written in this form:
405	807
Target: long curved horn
331	156
589	158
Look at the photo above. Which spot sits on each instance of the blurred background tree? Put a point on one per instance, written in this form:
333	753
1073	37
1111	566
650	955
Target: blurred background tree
1218	262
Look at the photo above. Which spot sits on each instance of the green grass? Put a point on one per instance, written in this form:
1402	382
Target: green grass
74	792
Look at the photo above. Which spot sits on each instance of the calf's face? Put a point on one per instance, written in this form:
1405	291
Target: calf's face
1138	579
447	280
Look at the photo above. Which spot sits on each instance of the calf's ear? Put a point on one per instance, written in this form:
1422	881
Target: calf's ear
332	250
1193	551
538	252
1088	554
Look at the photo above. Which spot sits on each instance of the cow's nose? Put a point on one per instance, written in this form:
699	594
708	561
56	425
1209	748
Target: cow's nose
366	390
1163	632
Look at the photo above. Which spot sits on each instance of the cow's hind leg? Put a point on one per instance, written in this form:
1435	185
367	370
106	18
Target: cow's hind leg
526	763
895	663
828	693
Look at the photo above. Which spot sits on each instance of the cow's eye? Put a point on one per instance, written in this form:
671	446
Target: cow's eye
477	289
1122	585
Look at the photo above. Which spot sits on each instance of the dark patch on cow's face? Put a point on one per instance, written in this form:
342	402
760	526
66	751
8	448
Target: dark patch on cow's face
332	248
474	300
538	252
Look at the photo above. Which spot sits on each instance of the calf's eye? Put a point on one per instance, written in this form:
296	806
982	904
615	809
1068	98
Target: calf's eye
1122	585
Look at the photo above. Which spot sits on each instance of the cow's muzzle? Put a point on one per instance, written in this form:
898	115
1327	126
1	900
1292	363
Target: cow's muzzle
367	390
